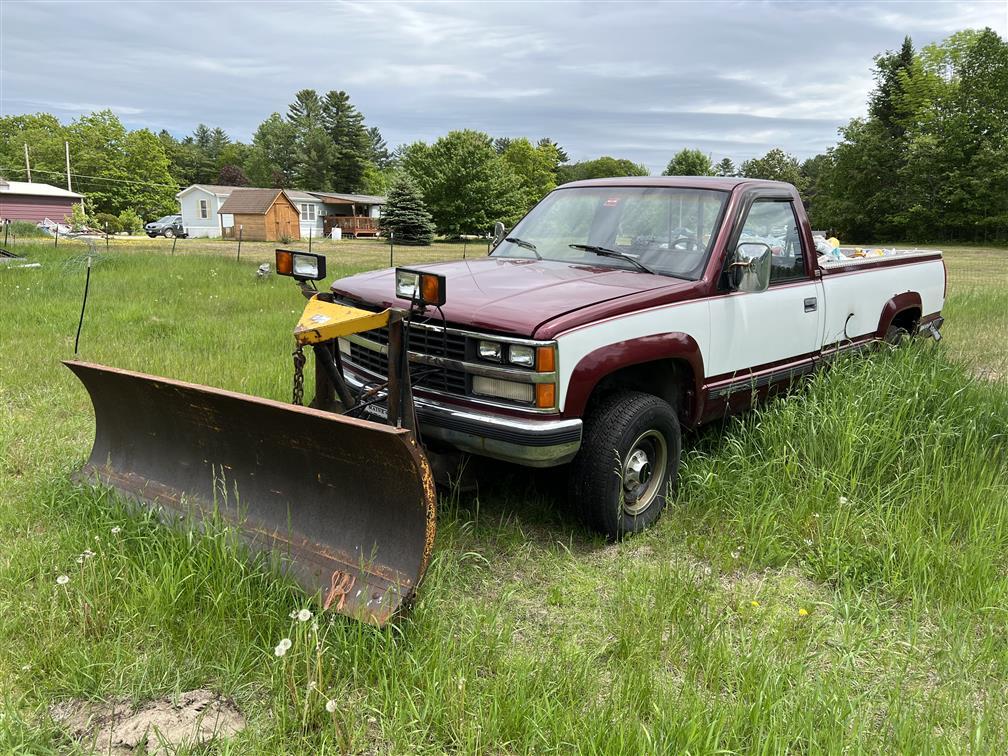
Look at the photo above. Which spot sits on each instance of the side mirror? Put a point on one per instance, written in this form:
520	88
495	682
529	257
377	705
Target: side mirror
749	269
498	233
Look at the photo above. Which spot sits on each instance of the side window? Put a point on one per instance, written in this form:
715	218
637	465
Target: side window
203	213
773	223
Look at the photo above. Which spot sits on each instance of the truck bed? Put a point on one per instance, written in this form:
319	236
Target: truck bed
892	257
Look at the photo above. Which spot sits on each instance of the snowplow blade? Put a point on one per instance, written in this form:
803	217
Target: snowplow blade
348	505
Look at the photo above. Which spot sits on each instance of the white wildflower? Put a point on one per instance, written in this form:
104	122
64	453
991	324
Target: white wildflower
293	614
735	554
304	615
312	685
62	580
279	651
116	530
330	706
80	559
285	644
843	499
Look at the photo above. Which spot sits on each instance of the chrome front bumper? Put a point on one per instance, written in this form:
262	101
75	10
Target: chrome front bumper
532	442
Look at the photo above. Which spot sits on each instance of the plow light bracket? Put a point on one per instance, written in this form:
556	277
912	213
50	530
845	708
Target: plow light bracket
420	287
301	266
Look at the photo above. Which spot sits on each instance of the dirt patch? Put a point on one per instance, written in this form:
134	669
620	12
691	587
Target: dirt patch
160	726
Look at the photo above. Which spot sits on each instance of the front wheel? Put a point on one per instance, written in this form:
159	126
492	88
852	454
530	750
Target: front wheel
628	462
168	233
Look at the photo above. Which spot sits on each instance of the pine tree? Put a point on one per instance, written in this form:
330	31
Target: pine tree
405	215
350	138
725	168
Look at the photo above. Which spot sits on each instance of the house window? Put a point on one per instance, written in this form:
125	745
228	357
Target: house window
307	211
204	210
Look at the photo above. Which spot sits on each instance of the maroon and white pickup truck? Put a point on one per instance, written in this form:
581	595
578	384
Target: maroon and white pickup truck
619	311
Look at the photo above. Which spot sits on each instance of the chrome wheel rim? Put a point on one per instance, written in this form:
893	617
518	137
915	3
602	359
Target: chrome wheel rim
643	472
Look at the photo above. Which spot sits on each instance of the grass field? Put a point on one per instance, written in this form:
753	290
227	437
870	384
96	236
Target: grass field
832	577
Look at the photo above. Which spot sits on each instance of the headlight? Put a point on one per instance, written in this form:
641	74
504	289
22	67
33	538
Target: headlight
523	356
501	389
490	350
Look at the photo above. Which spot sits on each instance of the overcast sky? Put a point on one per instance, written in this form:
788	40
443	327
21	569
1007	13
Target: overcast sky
638	80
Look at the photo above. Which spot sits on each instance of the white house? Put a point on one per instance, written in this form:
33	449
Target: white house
199	205
355	214
311	209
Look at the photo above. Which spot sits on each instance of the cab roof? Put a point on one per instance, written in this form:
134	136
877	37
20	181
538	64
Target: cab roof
722	183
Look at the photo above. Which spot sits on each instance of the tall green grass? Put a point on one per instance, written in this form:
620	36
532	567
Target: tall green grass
831	577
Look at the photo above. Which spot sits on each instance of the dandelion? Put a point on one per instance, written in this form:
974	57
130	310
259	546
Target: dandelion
754	603
843	499
330	705
312	685
62	580
735	554
304	615
293	614
279	651
803	612
116	530
285	644
80	559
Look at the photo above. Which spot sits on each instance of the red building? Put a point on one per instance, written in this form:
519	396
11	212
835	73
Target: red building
24	200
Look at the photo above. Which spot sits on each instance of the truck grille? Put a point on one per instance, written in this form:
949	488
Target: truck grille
426	341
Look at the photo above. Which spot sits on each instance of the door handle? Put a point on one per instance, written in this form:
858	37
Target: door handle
810	304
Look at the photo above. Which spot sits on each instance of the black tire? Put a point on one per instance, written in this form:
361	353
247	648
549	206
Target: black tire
897	336
614	488
152	236
168	233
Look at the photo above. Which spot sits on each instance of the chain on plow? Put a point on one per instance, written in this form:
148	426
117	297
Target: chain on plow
299	363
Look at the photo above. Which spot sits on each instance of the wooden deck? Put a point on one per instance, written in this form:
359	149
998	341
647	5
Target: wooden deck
351	225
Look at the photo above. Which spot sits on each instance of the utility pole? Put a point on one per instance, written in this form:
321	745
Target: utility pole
27	165
67	145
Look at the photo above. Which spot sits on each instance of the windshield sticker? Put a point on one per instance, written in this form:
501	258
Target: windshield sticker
612	202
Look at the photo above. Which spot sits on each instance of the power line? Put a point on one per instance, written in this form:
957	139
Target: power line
100	178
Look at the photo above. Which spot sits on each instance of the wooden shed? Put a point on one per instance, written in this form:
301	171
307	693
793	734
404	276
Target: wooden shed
262	215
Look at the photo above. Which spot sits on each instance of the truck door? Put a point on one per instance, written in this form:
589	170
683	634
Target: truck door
763	339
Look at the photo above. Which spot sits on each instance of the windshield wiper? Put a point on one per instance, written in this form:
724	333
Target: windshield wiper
606	252
525	245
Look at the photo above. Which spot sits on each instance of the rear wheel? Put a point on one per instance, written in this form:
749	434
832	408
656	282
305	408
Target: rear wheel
629	458
897	336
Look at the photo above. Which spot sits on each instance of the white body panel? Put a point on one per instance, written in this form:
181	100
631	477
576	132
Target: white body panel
750	329
740	331
861	295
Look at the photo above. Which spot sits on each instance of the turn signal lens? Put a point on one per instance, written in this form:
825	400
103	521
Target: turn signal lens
546	359
284	262
545	395
430	289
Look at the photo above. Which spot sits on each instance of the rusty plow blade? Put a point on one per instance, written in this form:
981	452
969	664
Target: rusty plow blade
347	504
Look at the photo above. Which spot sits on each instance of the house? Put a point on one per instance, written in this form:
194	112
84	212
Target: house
200	206
28	201
261	215
318	212
355	214
311	209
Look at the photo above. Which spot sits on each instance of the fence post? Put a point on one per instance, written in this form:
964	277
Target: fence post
465	243
240	229
174	239
106	237
6	228
309	240
391	235
56	239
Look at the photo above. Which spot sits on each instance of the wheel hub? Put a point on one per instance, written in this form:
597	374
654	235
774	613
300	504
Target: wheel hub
643	472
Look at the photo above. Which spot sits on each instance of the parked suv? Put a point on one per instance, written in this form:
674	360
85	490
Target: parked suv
168	227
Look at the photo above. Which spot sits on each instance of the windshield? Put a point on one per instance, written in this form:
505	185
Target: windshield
668	230
166	219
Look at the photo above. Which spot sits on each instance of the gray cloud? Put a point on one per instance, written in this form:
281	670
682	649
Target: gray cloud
638	80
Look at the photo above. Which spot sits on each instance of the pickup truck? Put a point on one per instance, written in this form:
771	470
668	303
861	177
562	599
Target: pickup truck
618	312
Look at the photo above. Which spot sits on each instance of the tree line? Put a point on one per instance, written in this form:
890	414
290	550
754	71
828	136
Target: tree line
929	161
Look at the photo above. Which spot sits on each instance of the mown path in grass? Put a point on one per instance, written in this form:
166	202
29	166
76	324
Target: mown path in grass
832	575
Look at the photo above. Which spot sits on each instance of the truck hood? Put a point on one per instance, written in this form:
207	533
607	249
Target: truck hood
509	295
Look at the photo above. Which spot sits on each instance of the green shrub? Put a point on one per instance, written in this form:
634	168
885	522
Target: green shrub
107	222
130	222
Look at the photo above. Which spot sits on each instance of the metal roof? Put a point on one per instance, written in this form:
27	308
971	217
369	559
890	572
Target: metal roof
250	201
363	199
36	189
